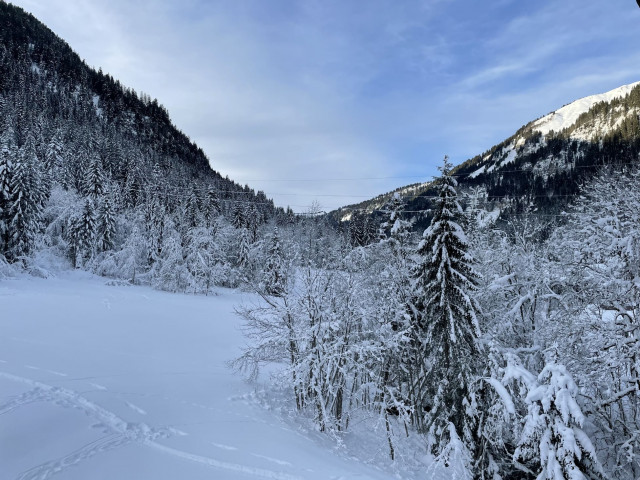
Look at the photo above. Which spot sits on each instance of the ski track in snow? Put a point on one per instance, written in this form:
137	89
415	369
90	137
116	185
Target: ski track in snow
255	472
122	433
224	447
136	408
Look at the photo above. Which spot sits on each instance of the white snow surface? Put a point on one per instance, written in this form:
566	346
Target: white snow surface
120	382
567	115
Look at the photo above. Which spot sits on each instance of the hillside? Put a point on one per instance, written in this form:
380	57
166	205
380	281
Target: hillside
544	163
98	174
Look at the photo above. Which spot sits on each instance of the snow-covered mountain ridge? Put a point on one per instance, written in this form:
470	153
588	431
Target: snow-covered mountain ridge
566	116
544	163
586	120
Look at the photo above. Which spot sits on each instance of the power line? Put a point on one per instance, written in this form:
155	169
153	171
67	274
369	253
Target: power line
205	189
166	188
379	210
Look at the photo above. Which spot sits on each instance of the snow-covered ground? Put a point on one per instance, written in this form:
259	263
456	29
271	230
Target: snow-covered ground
119	382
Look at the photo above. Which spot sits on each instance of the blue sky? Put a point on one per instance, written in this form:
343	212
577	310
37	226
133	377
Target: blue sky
340	100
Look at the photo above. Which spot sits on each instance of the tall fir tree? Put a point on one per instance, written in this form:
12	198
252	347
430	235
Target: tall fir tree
275	280
7	154
94	179
27	196
83	229
445	328
107	226
211	206
243	250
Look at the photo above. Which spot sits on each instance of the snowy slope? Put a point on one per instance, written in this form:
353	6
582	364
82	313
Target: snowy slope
116	382
567	115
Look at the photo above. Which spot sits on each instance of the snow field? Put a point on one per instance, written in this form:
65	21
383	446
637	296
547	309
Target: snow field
104	382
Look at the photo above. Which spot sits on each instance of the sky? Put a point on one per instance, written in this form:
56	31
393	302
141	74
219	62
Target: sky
331	102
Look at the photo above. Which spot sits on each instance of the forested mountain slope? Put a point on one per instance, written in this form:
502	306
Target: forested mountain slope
543	165
91	169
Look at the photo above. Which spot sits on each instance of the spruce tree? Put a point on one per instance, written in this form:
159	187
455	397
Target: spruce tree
211	206
239	216
274	272
84	229
191	218
94	179
107	226
27	196
243	251
445	328
7	153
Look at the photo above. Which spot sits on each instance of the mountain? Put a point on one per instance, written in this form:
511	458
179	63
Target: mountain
542	166
89	167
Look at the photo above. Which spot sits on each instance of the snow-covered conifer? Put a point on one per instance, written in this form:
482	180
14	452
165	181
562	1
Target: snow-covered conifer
211	208
243	250
552	437
275	276
27	196
94	178
7	154
445	326
83	229
107	226
239	215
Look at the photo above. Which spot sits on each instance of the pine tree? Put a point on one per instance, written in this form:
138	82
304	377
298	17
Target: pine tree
83	229
7	154
54	155
275	280
27	196
445	327
154	223
191	217
94	179
107	226
243	251
252	221
239	215
211	206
